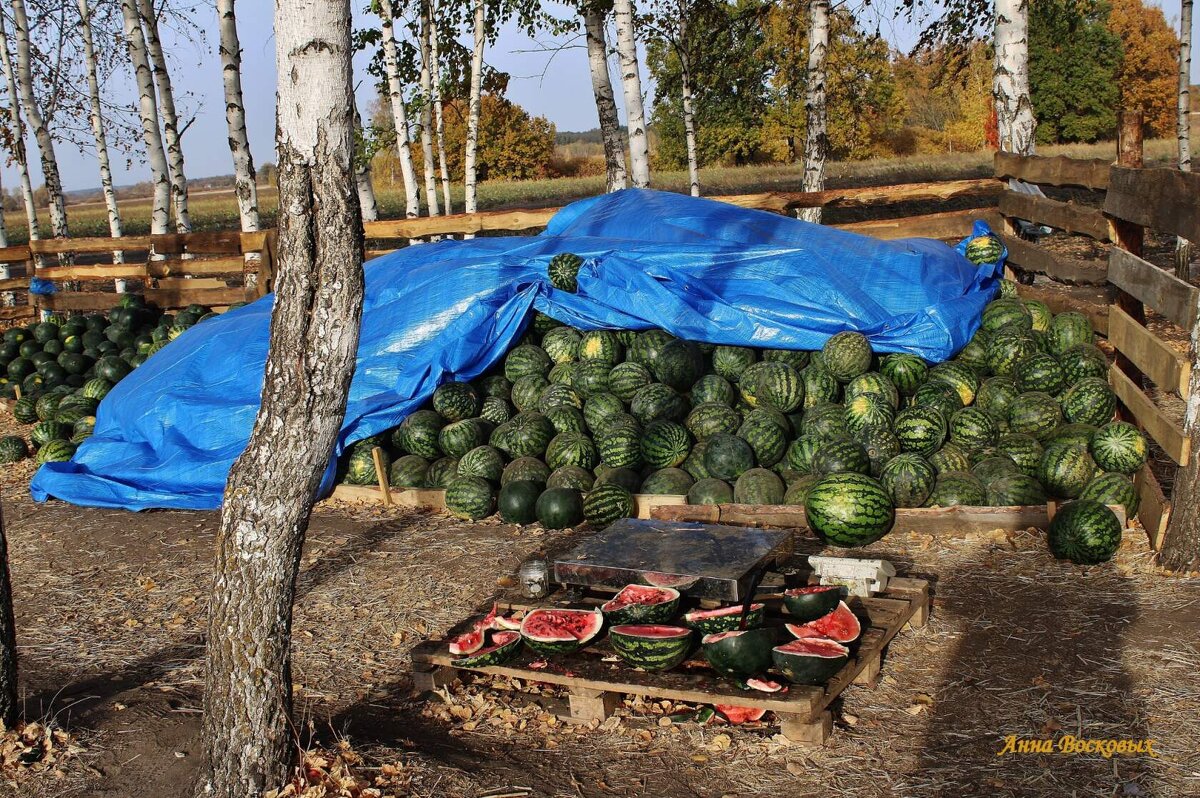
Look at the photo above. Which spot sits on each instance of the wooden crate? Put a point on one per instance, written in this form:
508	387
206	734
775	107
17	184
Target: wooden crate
595	682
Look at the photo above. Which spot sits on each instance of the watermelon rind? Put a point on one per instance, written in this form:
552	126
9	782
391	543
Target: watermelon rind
504	646
641	604
811	602
810	661
582	628
725	619
651	647
740	654
849	510
1085	532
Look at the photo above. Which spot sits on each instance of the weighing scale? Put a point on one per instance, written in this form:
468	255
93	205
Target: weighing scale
700	560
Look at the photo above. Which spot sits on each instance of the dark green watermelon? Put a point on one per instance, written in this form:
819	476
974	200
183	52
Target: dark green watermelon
517	500
1085	532
559	508
849	510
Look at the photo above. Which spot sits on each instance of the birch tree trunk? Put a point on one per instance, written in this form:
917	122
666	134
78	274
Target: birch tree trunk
272	486
470	177
97	118
170	121
1010	78
689	116
362	174
244	177
606	104
816	135
431	190
439	123
631	82
9	705
1183	248
1181	544
156	158
18	135
391	65
41	133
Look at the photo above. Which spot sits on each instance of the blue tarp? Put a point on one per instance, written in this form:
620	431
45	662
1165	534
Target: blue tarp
167	434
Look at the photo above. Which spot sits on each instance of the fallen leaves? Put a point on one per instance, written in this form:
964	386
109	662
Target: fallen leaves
34	748
339	773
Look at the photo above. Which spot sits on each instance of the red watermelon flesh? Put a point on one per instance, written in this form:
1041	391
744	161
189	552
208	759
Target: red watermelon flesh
657	579
841	625
471	641
562	625
804	591
815	647
652	631
509	623
631	595
765	685
739	715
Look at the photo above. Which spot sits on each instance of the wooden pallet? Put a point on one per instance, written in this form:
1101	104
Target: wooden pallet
595	682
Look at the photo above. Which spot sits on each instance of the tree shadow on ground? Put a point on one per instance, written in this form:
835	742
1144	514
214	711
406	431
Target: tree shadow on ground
1035	660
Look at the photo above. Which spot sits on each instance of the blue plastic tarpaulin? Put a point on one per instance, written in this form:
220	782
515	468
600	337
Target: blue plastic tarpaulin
167	435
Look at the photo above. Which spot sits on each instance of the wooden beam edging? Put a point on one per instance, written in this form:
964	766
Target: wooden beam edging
1150	418
1166	200
1058	170
1156	288
1031	258
1169	369
1067	216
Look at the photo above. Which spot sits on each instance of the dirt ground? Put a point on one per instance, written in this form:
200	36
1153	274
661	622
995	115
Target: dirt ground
111	606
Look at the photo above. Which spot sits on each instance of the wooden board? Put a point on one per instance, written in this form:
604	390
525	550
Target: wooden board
17	312
460	223
802	710
1154	509
181	297
55	246
1165	200
1039	260
944	521
644	504
1158	289
190	283
1169	370
1056	171
1149	417
1059	302
78	300
220	242
98	271
1062	215
785	201
196	267
15	254
14	284
945	225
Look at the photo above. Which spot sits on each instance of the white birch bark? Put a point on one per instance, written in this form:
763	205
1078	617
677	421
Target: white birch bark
19	157
1183	248
41	133
362	176
98	134
689	116
391	65
244	178
470	177
1010	78
816	135
439	123
631	83
156	158
431	189
606	105
170	120
247	736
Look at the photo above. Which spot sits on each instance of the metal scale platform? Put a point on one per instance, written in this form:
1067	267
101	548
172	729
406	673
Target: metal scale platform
700	560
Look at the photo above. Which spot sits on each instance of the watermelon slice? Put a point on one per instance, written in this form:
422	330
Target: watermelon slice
810	660
724	619
765	685
641	604
739	715
810	603
840	625
472	640
504	647
560	631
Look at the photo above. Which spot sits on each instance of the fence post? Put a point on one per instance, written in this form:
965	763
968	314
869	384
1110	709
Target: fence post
1129	236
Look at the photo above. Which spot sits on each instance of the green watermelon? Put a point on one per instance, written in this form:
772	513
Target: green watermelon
470	498
495	410
908	479
939	396
651	647
646	346
988	469
712	389
524	435
849	510
1066	468
571	476
626	379
1089	401
1068	330
798	489
767	440
868	411
875	383
906	372
591	377
796	358
1024	450
800	453
599	408
962	379
711	418
570	448
606	503
1119	447
668	482
985	249
441	473
658	402
728	456
526	361
1081	361
561	344
1004	312
758	486
566	418
627	478
408	471
710	491
846	355
1007	351
24	410
665	444
825	421
563	271
1041	372
45	431
881	445
1084	532
1113	488
820	387
460	437
731	362
559	508
55	451
553	396
525	469
455	401
1035	414
13	449
841	456
527	390
601	345
360	467
1015	490
996	396
972	428
678	365
482	461
778	385
1074	433
920	429
1040	313
956	488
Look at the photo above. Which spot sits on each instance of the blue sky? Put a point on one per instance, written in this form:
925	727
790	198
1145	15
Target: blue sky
553	84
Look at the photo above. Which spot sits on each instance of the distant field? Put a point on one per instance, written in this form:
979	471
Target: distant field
217	210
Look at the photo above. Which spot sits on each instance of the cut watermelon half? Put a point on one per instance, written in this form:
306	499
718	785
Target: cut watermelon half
840	625
641	604
810	660
504	647
812	602
739	715
554	631
472	640
724	619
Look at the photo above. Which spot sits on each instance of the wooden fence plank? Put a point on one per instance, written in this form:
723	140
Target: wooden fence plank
1062	215
784	201
78	300
1039	260
55	246
15	254
1169	296
221	242
1059	303
1057	171
1156	424
180	297
1154	509
1165	200
17	312
1168	369
191	283
460	223
255	241
14	283
947	224
98	271
196	267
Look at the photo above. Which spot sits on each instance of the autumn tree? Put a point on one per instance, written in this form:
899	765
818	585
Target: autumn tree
1073	64
1147	76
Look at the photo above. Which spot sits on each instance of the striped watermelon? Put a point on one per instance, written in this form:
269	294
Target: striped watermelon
678	365
1089	401
728	457
1066	469
665	444
989	469
591	377
651	647
908	479
972	428
526	361
1035	414
819	386
906	372
1007	351
599	409
730	362
13	449
527	390
558	395
954	488
800	453
1113	488
602	345
849	510
563	373
606	503
571	476
563	271
1074	433
1041	372
524	435
847	355
868	411
1014	490
657	402
920	429
996	396
973	355
496	410
471	498
779	386
627	478
962	379
797	491
712	389
873	382
758	486
1024	450
668	482
710	491
1068	330
455	401
569	448
711	418
441	472
826	421
566	418
408	472
694	462
1119	447
767	440
55	451
525	469
1084	532
1081	361
626	379
561	344
621	448
646	346
458	438
1006	313
881	445
841	456
984	249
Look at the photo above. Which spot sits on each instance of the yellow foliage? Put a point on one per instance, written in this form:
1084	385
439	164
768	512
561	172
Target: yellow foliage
1148	75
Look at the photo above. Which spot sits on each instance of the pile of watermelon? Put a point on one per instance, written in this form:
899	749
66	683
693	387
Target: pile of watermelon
572	423
63	367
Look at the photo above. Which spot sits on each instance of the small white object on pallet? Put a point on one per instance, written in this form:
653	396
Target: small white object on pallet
860	577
